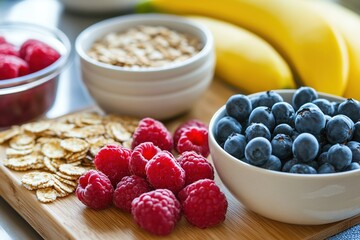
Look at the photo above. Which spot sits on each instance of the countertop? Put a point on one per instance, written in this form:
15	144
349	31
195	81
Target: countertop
72	95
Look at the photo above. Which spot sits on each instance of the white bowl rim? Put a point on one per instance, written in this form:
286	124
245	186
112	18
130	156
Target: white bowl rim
208	44
273	173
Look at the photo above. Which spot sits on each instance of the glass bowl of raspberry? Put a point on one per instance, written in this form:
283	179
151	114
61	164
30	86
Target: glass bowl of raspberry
290	155
32	57
149	65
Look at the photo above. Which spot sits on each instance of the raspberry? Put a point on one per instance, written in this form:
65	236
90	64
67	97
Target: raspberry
129	188
2	39
12	67
95	190
113	160
151	130
157	211
163	171
196	167
8	49
203	204
186	125
38	54
194	139
140	155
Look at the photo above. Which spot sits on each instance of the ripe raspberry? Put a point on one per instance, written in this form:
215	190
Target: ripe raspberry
140	155
8	49
163	171
113	161
203	204
194	139
196	167
129	188
151	130
190	123
38	54
2	39
12	67
157	211
95	190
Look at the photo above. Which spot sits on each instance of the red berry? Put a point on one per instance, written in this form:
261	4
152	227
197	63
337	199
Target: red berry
8	49
12	67
2	40
140	155
190	123
196	167
194	139
163	171
113	161
203	204
95	190
129	188
151	130
38	55
157	211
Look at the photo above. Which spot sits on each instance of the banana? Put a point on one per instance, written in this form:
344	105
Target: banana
245	60
313	48
348	24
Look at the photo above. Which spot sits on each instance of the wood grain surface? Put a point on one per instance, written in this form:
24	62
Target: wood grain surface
67	218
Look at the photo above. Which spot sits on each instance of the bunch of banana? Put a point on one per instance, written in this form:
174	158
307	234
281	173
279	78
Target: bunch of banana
313	48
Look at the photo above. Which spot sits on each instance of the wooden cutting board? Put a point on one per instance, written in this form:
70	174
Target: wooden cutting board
67	218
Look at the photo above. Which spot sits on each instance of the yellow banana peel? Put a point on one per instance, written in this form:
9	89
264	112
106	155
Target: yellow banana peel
315	51
348	24
245	60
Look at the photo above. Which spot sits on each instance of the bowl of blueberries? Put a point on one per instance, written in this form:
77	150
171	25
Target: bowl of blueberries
290	155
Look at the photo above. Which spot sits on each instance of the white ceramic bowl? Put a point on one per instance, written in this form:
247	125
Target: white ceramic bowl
98	7
291	198
106	82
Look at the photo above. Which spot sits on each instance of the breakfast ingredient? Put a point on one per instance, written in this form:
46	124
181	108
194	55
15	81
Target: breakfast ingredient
157	211
113	161
301	139
245	60
129	188
239	107
203	203
8	49
196	167
12	66
185	125
194	139
140	155
152	130
145	47
312	47
163	171
95	190
57	152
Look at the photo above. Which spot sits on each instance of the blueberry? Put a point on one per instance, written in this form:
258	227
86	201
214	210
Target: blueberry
326	168
310	120
325	106
340	156
281	146
239	107
302	169
273	163
326	147
235	145
288	164
258	151
356	135
352	166
269	98
284	129
339	129
322	158
255	102
283	113
336	108
257	130
350	108
305	147
355	149
263	115
225	127
303	95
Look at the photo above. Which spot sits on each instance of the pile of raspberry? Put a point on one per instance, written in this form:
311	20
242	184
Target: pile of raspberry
32	56
160	179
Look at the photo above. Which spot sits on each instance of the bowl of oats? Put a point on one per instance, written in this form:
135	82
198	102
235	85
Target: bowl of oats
145	55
